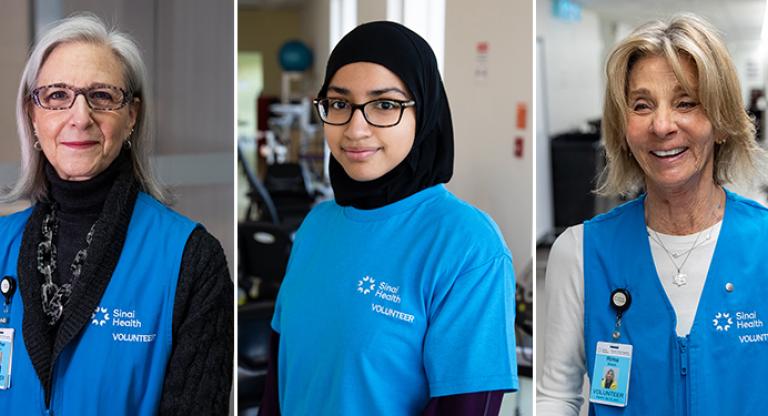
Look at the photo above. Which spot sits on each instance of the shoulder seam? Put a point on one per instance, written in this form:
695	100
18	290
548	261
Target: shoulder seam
484	263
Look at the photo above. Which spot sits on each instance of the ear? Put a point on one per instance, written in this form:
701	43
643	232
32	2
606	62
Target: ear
133	111
31	115
721	137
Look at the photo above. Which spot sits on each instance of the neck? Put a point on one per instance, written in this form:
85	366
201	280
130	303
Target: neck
82	200
684	211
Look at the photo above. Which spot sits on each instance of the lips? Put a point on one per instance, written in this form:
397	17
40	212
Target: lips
670	153
80	144
359	154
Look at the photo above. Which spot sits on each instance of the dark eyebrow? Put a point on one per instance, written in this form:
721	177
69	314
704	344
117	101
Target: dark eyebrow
376	93
372	93
340	90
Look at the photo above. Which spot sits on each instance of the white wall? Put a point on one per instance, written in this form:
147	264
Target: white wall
14	38
371	10
484	92
486	172
545	215
747	56
574	67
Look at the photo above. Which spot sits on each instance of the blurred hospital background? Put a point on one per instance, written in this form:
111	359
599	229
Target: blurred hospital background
573	38
484	49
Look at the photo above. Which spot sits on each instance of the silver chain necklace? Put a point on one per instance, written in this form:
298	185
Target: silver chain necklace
680	278
55	297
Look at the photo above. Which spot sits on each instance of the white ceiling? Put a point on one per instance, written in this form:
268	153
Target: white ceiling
738	20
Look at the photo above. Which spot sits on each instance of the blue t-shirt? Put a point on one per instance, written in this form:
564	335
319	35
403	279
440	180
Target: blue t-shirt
382	309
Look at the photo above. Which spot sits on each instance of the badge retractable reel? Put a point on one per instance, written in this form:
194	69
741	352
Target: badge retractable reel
7	289
620	301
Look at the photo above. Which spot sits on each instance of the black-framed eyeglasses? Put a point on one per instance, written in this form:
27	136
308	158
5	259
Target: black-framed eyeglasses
378	113
100	97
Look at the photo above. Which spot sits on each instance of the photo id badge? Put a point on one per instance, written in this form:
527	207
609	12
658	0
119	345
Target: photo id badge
6	351
610	378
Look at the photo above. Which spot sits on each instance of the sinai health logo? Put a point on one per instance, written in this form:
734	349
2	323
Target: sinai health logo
366	285
382	290
747	325
722	321
123	322
388	294
100	316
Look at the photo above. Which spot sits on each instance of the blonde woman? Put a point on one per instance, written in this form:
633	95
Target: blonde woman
676	275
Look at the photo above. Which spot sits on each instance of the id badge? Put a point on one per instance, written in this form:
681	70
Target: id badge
610	377
6	351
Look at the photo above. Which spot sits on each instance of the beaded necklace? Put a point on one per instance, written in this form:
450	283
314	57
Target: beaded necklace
55	297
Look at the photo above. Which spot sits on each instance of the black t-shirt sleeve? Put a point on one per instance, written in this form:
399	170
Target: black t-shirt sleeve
469	404
270	401
198	379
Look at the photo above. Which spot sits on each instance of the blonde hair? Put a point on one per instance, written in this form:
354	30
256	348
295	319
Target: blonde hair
89	29
685	36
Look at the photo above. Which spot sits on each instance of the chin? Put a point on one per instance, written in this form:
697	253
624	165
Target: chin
366	171
77	173
363	177
361	172
674	182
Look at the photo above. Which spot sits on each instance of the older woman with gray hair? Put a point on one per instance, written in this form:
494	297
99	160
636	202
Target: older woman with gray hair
113	303
668	288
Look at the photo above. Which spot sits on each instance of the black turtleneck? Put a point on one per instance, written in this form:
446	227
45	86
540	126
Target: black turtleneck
199	374
79	205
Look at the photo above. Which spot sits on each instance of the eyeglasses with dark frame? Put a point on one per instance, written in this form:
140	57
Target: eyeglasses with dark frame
378	113
100	97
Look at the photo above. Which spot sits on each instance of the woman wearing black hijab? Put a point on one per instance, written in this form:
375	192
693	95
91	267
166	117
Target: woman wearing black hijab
398	297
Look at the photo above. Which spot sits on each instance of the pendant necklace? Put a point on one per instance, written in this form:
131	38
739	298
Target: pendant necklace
680	278
55	297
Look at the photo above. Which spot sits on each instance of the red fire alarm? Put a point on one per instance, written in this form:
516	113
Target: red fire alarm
519	147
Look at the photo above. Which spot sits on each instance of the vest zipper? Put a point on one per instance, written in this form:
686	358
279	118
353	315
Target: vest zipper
49	403
683	344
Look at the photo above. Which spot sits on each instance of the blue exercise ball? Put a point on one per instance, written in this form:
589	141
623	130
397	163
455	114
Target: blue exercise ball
295	56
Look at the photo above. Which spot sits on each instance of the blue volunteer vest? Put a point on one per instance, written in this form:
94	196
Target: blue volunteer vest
116	365
721	367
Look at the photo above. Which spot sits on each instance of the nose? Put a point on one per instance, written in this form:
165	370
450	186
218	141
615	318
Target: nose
358	127
80	112
664	123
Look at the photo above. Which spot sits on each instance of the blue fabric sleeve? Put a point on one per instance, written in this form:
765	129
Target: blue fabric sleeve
276	317
298	237
470	342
